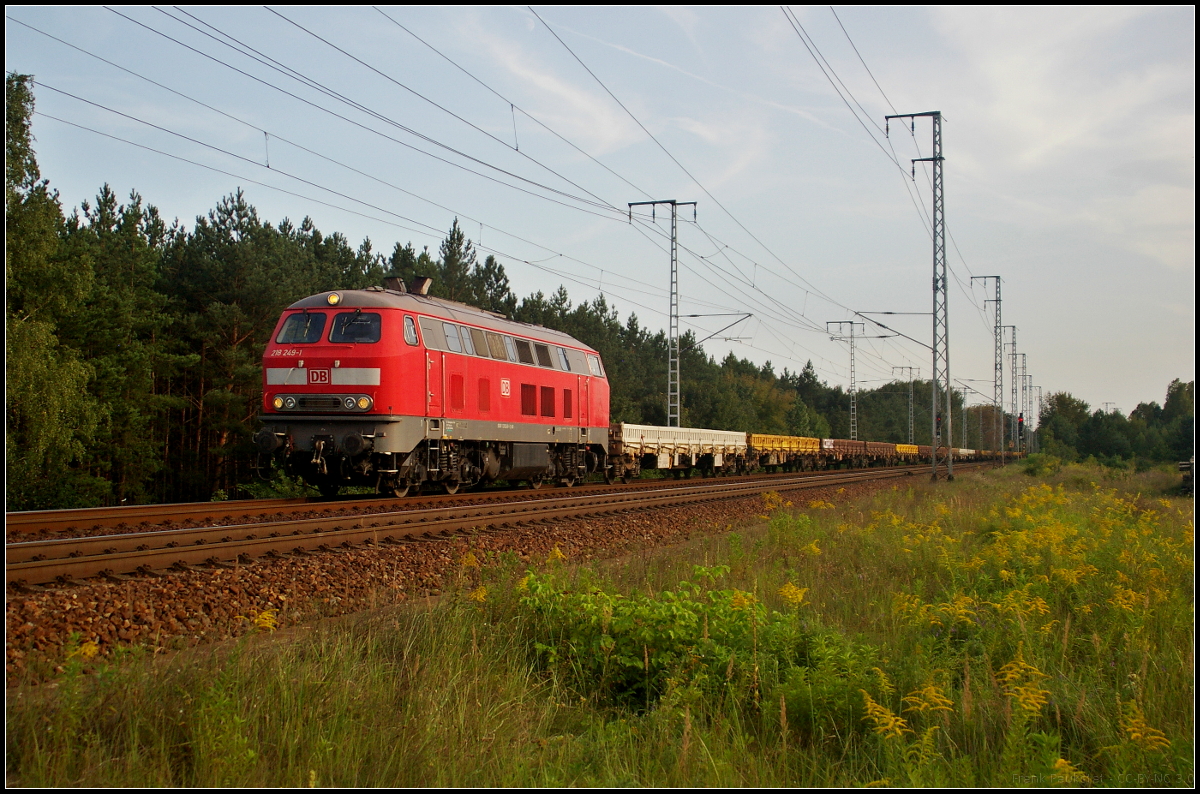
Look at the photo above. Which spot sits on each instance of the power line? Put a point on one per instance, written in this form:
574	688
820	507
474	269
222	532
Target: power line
675	160
510	103
365	127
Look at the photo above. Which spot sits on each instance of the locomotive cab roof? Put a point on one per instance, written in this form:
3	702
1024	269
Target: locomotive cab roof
451	311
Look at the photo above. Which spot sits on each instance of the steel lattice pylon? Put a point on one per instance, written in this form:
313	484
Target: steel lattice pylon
673	371
941	313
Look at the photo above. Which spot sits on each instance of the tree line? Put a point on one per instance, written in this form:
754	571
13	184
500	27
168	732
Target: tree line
134	345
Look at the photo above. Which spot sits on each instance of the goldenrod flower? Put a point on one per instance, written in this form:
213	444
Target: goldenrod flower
1133	722
1069	772
469	560
928	699
478	595
267	620
741	600
556	555
792	594
87	650
885	723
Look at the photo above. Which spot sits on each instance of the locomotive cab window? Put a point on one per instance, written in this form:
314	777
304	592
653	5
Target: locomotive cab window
356	327
302	328
594	365
562	359
435	337
410	330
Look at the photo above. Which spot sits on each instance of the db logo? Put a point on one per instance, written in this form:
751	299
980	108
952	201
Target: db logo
318	377
505	387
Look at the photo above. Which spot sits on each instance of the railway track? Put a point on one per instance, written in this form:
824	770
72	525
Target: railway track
147	552
108	521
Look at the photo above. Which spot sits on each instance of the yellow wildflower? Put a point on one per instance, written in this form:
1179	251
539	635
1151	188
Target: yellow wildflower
267	620
792	594
478	595
469	560
928	699
885	723
87	650
1022	683
556	555
1069	773
1133	722
741	600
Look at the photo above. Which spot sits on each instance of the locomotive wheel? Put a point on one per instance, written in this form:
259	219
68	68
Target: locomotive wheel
450	486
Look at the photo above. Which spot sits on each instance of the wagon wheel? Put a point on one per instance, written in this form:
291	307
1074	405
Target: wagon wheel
536	483
450	486
610	476
400	489
568	482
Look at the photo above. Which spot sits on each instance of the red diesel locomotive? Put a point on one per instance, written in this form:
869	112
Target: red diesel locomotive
392	388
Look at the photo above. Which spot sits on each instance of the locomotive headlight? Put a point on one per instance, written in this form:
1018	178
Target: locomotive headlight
349	403
278	403
364	403
333	298
290	402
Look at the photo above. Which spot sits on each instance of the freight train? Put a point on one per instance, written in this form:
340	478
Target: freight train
392	388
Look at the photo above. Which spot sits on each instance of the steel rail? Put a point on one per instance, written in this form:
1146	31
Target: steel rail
39	562
148	516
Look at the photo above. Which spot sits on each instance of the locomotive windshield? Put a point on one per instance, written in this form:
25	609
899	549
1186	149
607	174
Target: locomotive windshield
302	328
356	326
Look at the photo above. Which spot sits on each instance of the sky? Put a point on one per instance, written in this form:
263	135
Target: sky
1068	145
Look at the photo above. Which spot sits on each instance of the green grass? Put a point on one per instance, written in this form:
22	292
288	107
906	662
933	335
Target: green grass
1007	629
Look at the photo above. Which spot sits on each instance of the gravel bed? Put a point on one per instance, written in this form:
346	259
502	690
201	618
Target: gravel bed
192	607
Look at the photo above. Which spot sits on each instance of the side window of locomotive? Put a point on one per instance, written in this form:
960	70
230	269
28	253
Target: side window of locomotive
452	341
568	403
480	342
511	348
356	326
547	401
594	365
562	359
302	328
524	352
485	395
495	344
432	333
468	345
543	355
410	330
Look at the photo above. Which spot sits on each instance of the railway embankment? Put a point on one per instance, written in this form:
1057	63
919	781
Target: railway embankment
1002	629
